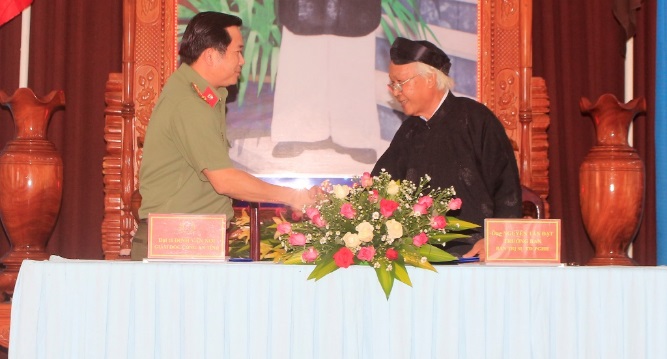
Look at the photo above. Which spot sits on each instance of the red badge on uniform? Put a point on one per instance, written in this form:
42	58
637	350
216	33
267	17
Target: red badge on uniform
210	97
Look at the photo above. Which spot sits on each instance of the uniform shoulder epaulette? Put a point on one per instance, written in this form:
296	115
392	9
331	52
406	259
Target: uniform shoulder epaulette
208	95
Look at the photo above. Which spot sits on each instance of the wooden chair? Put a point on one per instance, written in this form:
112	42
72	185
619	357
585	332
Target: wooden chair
533	205
505	85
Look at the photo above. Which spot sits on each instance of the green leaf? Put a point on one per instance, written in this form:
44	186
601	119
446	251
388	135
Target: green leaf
435	254
293	258
455	224
386	279
414	259
387	31
275	54
445	237
401	273
323	268
263	65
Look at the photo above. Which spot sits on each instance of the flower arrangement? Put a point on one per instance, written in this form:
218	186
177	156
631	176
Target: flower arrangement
377	221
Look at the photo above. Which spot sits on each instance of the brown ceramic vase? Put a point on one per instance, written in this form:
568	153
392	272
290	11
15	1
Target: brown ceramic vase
31	178
612	181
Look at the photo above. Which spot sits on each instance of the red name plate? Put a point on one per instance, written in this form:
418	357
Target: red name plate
186	236
522	240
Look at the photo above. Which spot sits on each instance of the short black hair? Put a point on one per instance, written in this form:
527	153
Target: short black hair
206	29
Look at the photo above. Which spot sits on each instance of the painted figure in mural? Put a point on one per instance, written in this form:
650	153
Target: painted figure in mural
186	166
457	141
325	89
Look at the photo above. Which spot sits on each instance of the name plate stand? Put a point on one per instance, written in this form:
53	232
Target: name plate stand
513	240
187	236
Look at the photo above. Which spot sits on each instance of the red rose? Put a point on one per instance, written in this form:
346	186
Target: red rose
344	257
387	207
391	254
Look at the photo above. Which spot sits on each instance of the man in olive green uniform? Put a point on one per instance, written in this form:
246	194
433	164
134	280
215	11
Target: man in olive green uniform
186	166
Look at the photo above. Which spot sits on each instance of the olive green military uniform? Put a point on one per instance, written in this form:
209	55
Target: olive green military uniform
185	135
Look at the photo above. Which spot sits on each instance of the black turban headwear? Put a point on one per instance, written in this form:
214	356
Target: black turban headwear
404	51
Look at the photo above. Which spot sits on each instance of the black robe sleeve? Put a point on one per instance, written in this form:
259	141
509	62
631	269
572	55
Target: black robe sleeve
463	145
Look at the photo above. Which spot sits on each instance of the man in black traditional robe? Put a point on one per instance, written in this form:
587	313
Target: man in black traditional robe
457	141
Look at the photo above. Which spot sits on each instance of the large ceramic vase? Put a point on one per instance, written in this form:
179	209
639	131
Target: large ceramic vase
612	181
31	178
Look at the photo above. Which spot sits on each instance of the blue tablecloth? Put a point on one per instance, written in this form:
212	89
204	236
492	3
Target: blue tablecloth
111	309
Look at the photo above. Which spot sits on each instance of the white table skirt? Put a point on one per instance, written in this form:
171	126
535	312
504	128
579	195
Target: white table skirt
108	309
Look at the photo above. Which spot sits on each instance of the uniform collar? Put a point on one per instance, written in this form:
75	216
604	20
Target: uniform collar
200	83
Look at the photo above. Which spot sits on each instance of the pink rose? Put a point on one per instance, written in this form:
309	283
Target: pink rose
373	196
387	207
419	209
310	255
312	212
366	180
344	257
426	201
284	228
319	221
391	254
347	211
455	204
297	239
438	222
419	239
366	253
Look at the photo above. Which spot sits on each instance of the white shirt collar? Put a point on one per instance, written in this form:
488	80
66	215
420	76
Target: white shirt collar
436	109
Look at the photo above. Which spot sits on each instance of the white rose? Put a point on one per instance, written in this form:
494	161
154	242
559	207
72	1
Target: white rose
392	188
365	231
341	191
394	229
351	240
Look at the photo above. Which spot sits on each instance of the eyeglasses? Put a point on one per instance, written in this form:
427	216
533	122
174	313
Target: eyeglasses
398	86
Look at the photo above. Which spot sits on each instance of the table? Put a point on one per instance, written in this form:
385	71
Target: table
112	309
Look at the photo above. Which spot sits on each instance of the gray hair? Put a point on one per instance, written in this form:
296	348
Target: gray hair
443	82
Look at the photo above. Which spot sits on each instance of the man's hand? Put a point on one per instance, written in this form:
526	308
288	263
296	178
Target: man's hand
316	192
477	248
303	198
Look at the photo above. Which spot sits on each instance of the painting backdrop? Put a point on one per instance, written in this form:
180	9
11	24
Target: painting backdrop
313	99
